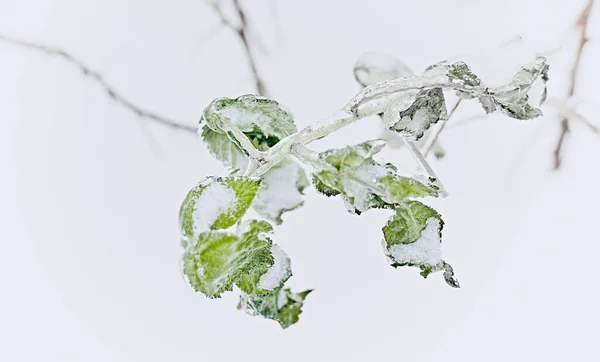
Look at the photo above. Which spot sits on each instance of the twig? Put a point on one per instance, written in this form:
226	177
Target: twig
242	31
582	24
94	75
431	141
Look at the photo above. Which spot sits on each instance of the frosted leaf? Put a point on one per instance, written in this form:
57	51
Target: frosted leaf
215	203
413	236
413	114
375	67
281	190
218	260
283	185
278	273
281	305
221	147
250	114
424	250
528	85
365	183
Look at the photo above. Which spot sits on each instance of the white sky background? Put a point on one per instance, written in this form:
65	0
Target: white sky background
89	245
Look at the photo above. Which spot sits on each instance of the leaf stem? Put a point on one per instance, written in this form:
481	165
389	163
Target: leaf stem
418	156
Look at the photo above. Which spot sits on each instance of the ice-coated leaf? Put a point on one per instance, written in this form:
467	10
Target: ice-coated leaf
281	305
278	273
375	67
413	236
352	156
218	259
281	190
365	183
402	188
251	114
407	225
528	85
215	203
221	147
413	113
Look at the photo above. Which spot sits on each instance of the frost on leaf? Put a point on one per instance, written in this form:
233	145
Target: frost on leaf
365	183
281	190
218	260
221	147
413	113
215	203
264	122
519	99
281	305
278	273
252	115
527	86
413	236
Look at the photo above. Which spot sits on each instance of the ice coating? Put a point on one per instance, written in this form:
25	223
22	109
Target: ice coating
375	67
243	119
361	182
281	190
279	272
215	200
425	251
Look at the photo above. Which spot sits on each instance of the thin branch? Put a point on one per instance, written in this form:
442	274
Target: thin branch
99	79
431	141
582	24
243	34
242	31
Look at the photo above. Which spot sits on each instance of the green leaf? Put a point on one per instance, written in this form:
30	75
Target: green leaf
281	305
218	260
215	203
407	225
221	147
363	182
413	236
322	186
257	116
413	114
352	156
281	190
402	188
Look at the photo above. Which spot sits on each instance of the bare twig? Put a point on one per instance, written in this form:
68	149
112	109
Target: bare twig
582	24
432	140
94	75
242	31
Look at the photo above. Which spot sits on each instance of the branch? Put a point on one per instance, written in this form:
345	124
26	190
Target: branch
431	141
582	24
99	79
242	31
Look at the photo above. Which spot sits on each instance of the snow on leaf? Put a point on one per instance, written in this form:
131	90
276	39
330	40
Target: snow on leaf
365	183
414	113
281	305
413	236
221	147
278	273
215	203
281	190
251	114
218	260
